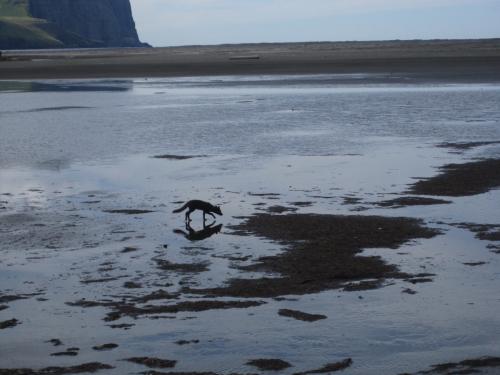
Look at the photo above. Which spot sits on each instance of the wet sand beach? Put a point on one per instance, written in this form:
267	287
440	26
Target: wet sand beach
359	186
430	61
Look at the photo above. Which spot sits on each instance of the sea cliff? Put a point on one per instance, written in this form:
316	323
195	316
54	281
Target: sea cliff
34	24
109	21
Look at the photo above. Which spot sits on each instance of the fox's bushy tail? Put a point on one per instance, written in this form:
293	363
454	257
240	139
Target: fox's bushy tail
180	209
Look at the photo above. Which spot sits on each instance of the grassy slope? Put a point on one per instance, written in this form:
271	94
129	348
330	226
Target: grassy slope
18	30
14	8
20	36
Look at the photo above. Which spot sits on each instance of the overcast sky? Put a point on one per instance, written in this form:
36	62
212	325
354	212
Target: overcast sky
189	22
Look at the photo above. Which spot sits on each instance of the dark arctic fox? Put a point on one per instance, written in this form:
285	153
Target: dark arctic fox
206	207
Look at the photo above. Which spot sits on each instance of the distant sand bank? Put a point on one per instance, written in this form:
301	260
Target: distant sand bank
437	60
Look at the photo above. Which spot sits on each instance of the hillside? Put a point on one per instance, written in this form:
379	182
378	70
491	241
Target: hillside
41	24
33	33
14	8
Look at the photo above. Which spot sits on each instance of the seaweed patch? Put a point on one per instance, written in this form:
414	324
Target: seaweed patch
299	315
321	253
264	364
458	180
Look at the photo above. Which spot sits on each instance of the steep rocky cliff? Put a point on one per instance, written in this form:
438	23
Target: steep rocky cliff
109	21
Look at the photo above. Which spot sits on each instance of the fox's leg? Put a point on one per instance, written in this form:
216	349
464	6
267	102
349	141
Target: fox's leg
207	212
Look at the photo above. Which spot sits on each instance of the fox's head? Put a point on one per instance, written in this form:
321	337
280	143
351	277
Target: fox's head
218	211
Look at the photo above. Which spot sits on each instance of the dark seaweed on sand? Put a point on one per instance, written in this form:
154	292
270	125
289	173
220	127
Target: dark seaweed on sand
468	366
458	180
264	194
410	201
494	248
417	280
129	249
55	342
69	353
181	267
281	209
299	315
123	326
129	212
362	285
84	368
408	291
9	323
105	347
473	264
264	364
322	252
178	157
152	362
155	296
465	145
129	308
132	285
329	367
185	342
8	298
485	232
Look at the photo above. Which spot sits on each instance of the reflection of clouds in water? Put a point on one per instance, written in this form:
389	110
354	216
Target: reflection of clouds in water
90	123
24	193
34	189
55	165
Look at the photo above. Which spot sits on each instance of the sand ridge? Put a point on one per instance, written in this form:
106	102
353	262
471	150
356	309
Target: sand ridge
437	60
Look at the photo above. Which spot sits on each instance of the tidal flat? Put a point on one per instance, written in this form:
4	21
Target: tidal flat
360	228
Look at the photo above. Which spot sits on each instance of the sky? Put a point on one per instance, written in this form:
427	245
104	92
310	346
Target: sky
164	23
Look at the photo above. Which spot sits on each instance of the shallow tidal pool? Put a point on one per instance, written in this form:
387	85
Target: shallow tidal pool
91	253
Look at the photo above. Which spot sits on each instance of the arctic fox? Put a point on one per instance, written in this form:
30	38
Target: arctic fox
206	207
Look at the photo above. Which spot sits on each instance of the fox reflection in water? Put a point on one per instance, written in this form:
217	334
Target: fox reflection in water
206	232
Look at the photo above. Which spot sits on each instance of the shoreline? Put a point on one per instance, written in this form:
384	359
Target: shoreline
436	61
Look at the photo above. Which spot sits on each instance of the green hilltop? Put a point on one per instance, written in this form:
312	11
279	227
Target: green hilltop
34	33
14	8
18	30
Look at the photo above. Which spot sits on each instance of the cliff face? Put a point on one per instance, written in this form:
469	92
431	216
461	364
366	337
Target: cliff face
109	21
